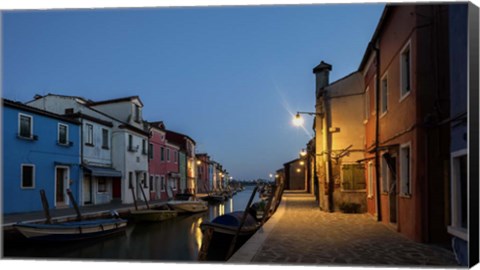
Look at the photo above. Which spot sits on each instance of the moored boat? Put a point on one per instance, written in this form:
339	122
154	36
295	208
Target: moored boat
213	198
152	215
192	206
70	231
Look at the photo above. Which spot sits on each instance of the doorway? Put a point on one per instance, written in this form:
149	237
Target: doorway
61	186
87	189
391	160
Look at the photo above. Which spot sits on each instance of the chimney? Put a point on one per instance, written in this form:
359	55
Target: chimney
37	96
321	74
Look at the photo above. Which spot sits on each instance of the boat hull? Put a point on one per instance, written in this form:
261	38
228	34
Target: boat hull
152	215
72	231
188	206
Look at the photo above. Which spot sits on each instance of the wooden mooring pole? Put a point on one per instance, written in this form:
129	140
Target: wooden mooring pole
46	208
70	195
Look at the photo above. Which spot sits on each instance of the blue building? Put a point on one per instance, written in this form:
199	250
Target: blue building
40	151
458	28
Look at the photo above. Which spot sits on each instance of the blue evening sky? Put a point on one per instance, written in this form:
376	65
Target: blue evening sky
229	77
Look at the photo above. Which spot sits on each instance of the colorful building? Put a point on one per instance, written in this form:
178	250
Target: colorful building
405	71
203	172
186	146
128	143
294	173
339	140
41	150
164	164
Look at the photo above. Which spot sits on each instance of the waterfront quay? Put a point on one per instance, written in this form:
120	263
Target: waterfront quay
300	234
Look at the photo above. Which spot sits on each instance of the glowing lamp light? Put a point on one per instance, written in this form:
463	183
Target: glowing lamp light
303	153
298	120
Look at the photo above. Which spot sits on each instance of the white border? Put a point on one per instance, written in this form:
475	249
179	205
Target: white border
407	45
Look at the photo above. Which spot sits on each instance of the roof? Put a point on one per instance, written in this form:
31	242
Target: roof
381	23
116	100
292	161
157	124
177	137
91	118
21	106
50	94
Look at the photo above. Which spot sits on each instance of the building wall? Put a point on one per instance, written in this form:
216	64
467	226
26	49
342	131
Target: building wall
44	153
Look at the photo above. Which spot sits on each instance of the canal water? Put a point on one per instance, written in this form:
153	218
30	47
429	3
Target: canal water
178	239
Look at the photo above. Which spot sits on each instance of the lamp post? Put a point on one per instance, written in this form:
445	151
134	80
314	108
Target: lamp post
298	121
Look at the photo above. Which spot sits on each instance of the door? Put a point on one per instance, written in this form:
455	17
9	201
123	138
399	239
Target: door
87	189
392	186
116	188
61	185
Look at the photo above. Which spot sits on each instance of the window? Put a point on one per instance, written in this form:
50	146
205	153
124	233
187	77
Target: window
25	126
162	153
151	182
144	147
162	183
405	164
175	156
145	183
353	177
168	154
384	95
62	134
105	138
102	185
89	134
370	179
130	180
130	143
367	103
459	180
137	113
384	175
150	151
375	94
405	71
28	176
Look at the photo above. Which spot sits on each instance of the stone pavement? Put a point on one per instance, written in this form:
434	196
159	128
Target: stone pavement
304	235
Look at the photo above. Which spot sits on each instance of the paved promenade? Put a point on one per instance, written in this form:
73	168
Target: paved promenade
299	233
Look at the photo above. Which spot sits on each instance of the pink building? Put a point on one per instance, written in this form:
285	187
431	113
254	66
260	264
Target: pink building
163	164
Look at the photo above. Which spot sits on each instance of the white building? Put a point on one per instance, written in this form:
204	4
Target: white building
122	157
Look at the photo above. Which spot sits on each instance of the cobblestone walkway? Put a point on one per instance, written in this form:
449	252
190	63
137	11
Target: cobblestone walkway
304	235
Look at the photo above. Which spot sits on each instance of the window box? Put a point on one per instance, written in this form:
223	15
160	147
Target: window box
68	144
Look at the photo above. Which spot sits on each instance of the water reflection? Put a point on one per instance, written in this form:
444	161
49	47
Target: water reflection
177	239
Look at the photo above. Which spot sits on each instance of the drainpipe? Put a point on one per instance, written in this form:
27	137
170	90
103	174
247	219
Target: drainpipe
377	126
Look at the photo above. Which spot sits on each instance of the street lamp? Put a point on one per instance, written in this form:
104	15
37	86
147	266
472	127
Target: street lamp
298	119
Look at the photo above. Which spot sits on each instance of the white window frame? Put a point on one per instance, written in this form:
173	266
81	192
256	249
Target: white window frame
374	95
58	135
403	172
404	92
19	125
384	175
168	154
21	175
370	178
382	95
455	226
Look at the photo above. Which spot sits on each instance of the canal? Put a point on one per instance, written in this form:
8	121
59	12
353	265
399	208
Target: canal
178	239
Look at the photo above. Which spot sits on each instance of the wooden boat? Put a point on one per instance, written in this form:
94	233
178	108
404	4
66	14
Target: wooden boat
214	198
150	215
70	231
223	230
192	206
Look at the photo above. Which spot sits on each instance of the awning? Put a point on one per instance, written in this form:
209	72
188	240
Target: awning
102	171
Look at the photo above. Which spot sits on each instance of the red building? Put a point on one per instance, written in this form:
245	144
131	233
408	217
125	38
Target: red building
405	69
163	164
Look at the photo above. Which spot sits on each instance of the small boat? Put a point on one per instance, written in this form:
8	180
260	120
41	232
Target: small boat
213	198
192	206
223	230
150	215
70	231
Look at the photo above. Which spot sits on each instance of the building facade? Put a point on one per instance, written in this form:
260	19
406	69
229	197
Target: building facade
41	150
405	71
203	172
186	145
